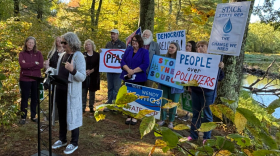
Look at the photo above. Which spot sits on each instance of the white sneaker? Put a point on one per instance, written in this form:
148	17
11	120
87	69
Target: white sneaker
70	149
161	123
58	144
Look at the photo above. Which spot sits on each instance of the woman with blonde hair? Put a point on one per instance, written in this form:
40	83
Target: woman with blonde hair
54	53
92	82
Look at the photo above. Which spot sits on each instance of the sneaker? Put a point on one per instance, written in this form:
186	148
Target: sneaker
170	125
34	120
22	121
190	138
161	123
70	149
58	144
204	141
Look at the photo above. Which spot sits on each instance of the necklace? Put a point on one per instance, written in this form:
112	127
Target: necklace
67	58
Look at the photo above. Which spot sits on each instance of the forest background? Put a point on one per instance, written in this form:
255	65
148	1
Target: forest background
93	19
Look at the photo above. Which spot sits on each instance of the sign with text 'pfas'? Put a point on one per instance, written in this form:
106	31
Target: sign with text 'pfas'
201	67
149	103
165	38
162	71
110	60
228	28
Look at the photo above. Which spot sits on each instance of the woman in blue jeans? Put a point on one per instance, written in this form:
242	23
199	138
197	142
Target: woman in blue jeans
198	102
170	92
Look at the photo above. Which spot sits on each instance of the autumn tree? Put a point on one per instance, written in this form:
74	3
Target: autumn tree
147	13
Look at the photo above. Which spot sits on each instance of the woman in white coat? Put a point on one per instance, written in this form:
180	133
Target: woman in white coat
71	66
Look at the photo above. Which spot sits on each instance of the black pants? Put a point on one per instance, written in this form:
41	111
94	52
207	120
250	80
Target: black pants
26	87
61	100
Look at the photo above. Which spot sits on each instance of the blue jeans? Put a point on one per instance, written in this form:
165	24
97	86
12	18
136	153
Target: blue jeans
114	83
198	103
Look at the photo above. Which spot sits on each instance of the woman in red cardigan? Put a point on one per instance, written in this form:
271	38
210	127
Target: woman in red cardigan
31	63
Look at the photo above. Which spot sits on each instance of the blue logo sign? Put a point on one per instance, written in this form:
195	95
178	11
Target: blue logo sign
227	27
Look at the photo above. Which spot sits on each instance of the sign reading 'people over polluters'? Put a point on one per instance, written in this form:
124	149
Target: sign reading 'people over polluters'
110	60
201	67
165	38
152	102
228	28
162	71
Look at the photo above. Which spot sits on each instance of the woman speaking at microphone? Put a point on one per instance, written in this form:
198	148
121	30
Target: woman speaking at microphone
72	67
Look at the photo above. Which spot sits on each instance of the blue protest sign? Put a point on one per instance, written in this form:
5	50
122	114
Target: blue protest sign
149	103
162	71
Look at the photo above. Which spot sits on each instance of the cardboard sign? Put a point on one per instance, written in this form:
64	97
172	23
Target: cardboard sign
145	103
228	28
201	67
164	39
110	60
162	71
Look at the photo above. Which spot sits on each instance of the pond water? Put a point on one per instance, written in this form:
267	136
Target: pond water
264	99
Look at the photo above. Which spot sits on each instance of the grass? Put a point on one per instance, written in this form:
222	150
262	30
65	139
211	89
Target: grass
261	57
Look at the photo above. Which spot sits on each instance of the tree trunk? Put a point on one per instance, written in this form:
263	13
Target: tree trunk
97	13
92	14
230	86
39	5
147	14
178	13
16	10
170	11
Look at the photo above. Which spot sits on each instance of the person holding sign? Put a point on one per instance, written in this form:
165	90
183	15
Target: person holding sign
113	80
202	98
170	92
92	82
134	65
190	47
152	47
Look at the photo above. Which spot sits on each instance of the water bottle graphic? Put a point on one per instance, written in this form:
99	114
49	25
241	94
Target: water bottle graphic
227	27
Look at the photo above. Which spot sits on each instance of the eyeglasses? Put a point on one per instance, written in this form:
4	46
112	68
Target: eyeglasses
65	43
134	41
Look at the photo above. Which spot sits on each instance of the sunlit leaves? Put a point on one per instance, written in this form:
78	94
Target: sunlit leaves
272	106
248	153
147	125
181	127
223	153
160	143
240	140
240	122
264	152
98	116
170	105
143	113
216	111
228	112
193	83
207	126
249	115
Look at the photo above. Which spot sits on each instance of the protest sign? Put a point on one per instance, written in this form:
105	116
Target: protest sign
228	28
110	60
129	38
186	101
149	103
164	39
162	71
201	67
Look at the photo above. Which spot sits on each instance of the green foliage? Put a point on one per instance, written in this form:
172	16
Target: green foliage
272	106
207	126
147	125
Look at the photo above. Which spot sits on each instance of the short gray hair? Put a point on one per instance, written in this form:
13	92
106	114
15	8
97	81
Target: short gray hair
92	43
73	41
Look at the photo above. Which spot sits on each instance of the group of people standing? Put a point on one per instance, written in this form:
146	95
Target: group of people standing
82	70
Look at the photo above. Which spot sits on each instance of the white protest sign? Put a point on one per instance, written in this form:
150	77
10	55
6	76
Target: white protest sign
110	60
201	67
164	39
228	28
152	102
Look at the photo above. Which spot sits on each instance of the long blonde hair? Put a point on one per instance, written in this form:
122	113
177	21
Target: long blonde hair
92	43
53	49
